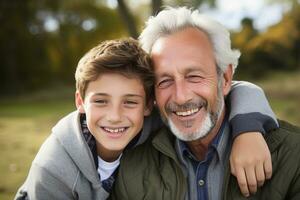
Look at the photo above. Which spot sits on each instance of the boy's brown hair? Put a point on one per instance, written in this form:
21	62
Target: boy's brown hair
123	56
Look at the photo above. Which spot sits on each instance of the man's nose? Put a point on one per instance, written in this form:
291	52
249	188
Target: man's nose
182	92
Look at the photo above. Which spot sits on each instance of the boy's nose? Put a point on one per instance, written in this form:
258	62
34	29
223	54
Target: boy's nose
114	115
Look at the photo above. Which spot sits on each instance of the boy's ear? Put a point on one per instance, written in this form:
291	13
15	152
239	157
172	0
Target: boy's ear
79	102
148	108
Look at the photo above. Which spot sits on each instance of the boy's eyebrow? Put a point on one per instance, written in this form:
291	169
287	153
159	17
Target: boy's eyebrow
101	94
126	95
134	95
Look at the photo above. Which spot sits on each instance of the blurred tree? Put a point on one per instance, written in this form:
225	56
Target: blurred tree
247	33
42	40
81	26
156	6
241	39
275	49
19	48
127	18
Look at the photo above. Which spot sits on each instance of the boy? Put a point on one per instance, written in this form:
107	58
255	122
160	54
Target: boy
114	83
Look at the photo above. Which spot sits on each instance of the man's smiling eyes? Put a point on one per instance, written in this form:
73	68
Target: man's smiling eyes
194	78
166	82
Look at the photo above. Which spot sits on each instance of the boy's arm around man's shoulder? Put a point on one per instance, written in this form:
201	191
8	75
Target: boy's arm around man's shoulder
250	110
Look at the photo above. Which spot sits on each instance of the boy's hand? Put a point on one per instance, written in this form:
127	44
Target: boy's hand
250	161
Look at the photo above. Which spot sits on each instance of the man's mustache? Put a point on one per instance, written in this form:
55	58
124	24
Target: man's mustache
174	107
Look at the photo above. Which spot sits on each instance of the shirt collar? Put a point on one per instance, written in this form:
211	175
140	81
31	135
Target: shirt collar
216	145
89	138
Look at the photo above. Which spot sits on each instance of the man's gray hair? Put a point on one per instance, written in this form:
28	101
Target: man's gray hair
172	20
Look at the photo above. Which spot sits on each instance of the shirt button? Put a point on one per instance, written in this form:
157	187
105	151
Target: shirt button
201	182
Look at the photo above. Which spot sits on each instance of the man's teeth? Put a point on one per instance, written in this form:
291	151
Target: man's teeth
114	130
188	112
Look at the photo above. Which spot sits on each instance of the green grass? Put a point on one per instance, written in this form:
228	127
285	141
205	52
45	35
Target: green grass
283	92
26	121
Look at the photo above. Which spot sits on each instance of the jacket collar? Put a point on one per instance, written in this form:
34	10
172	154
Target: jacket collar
69	133
164	141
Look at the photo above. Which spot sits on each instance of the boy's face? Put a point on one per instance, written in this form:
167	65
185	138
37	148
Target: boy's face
115	108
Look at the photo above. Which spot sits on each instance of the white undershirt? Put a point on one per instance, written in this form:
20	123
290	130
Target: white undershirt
106	169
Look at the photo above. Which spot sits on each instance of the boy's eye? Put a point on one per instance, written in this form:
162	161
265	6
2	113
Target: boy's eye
101	101
130	102
164	83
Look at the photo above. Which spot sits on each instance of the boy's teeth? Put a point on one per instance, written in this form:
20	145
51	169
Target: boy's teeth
115	130
188	112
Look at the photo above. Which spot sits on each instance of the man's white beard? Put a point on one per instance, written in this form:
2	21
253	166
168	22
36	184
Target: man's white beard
208	124
200	133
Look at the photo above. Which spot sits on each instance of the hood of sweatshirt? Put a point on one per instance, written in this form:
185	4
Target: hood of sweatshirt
69	134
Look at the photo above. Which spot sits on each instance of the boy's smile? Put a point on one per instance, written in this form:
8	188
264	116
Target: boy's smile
115	132
115	108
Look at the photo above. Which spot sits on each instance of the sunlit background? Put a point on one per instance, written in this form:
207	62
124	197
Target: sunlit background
41	42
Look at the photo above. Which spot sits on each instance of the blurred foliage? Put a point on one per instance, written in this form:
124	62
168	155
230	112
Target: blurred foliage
41	41
130	21
278	48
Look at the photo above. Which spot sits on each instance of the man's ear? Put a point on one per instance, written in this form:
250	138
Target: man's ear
227	79
79	102
148	108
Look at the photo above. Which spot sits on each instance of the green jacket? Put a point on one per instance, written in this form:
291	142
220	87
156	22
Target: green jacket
152	171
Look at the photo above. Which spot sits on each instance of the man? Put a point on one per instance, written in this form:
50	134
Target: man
194	64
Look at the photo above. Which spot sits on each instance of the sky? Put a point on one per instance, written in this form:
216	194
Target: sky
230	13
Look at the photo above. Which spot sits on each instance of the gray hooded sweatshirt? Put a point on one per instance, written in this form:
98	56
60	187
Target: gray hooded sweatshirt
64	167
